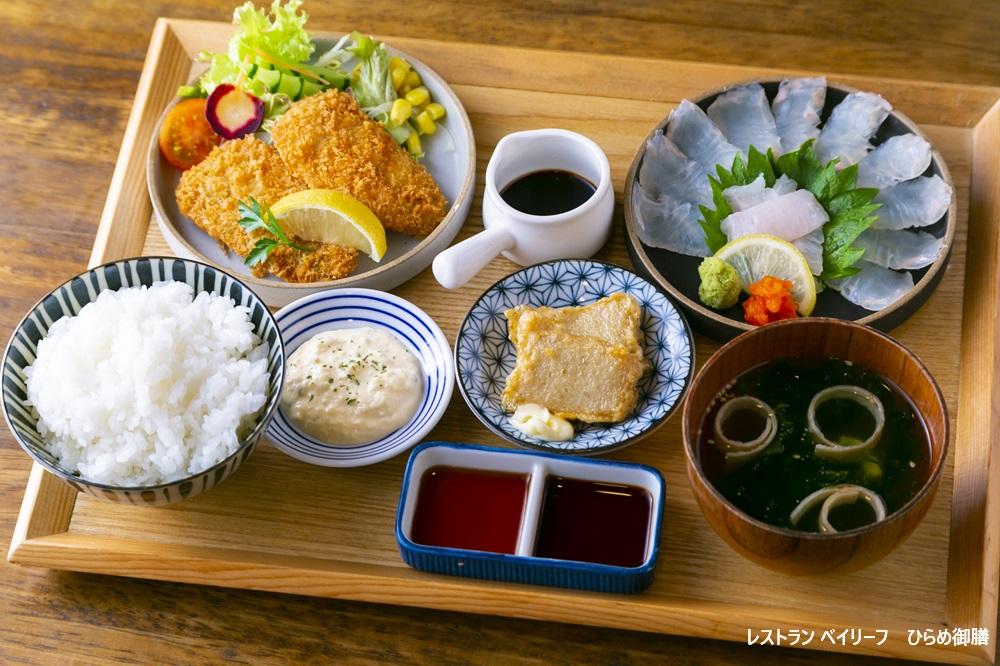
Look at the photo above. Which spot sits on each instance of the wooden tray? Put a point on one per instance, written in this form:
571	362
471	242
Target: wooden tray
285	526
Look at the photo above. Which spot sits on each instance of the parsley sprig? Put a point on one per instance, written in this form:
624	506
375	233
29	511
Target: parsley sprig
254	216
851	208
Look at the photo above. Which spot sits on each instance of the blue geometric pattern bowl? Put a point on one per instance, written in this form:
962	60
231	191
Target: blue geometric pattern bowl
352	308
484	356
67	300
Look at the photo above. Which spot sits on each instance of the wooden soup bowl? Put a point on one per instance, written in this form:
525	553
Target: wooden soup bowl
791	551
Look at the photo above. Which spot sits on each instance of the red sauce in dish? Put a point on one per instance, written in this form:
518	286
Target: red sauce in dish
591	521
470	509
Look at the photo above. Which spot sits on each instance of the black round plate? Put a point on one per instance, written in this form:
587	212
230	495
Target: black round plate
678	273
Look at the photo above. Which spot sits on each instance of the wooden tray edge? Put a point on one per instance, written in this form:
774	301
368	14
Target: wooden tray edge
40	536
360	582
974	557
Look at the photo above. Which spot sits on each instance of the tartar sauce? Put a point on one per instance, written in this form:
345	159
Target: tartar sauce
537	421
351	386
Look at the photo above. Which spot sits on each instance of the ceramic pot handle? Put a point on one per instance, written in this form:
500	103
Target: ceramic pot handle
460	263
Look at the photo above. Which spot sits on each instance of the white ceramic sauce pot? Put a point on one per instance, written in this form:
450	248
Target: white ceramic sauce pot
529	239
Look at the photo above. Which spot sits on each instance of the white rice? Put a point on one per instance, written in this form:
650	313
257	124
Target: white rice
147	386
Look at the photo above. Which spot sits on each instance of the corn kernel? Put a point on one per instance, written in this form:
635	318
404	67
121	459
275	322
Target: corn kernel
413	144
425	123
398	76
436	110
418	96
412	79
396	62
400	112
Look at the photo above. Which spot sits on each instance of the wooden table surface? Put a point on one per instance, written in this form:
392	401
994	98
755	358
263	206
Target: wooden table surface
69	72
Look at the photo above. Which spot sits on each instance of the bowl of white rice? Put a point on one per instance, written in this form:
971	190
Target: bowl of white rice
144	381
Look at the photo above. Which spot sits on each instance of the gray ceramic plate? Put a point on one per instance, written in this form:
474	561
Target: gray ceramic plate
451	163
678	273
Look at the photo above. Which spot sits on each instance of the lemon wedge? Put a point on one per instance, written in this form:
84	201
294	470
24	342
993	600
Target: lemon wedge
329	216
756	255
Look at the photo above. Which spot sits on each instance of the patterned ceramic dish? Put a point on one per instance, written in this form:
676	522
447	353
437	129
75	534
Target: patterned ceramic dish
352	308
484	356
68	300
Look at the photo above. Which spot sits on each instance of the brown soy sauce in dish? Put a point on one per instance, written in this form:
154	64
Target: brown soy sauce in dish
548	192
470	509
593	521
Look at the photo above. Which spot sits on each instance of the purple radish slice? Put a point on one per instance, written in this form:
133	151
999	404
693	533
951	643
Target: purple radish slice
233	112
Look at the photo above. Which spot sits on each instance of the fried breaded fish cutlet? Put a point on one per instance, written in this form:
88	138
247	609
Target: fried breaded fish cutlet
209	193
579	362
329	142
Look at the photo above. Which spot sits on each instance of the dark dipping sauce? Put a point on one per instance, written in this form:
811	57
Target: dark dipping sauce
590	521
771	485
470	509
548	192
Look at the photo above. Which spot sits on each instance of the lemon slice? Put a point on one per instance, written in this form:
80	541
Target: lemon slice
329	216
756	255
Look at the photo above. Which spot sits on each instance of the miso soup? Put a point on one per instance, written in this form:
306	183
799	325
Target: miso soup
800	431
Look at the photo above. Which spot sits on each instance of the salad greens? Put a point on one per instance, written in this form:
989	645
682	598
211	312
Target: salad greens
850	208
372	86
268	57
282	35
271	56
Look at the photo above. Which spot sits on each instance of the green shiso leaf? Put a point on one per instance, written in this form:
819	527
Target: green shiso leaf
851	209
711	222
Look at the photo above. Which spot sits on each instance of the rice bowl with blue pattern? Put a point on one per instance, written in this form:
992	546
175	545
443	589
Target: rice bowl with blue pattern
484	355
341	310
128	380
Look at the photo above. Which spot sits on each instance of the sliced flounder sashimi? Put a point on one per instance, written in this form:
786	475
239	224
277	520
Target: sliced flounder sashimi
900	158
796	110
784	185
913	203
850	126
789	216
899	249
670	225
741	197
745	118
667	173
811	247
873	287
698	137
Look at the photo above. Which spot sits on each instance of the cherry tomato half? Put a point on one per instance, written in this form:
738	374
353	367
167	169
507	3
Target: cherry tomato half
186	138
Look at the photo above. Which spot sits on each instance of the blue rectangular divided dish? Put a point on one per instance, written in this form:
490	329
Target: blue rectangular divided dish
523	566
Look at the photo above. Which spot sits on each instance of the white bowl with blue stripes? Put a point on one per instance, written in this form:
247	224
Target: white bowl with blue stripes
354	308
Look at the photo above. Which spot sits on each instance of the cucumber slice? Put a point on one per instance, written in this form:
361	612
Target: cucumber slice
310	88
249	68
336	77
290	84
189	92
400	134
269	77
